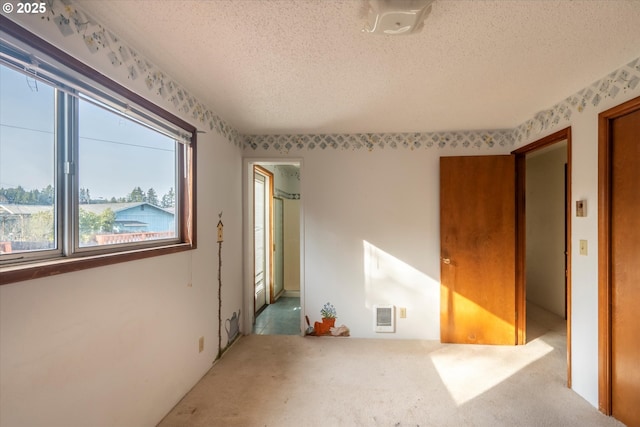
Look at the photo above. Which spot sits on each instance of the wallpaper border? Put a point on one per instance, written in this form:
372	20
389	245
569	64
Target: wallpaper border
620	81
370	141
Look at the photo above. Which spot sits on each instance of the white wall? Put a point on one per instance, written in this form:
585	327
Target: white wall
291	245
285	179
545	234
118	345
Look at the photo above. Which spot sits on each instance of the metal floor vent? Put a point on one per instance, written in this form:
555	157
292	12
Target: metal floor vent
384	318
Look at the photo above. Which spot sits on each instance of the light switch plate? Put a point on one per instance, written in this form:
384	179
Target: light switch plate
581	208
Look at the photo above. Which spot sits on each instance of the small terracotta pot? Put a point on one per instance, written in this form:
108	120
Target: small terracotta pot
324	327
330	322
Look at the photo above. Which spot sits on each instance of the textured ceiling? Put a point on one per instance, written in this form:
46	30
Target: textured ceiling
305	66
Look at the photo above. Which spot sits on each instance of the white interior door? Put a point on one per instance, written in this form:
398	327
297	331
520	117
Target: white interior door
259	240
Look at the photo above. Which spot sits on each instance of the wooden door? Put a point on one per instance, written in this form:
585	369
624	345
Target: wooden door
625	269
478	240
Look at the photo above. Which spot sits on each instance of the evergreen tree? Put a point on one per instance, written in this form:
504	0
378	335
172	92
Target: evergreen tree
47	195
152	197
13	195
137	195
20	196
169	199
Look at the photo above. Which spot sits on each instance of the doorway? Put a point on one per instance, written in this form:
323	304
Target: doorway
543	232
262	236
471	311
619	274
546	240
274	227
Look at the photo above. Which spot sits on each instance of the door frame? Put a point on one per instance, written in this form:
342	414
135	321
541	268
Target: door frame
247	247
277	247
521	249
268	243
605	159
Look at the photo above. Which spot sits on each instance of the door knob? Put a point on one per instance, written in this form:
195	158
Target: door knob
446	260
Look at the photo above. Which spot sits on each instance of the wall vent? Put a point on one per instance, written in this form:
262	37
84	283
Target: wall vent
384	318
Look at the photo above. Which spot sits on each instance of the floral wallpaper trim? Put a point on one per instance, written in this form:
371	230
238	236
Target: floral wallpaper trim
370	141
620	81
284	195
72	22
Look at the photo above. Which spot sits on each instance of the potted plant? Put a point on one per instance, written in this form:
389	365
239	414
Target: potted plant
328	313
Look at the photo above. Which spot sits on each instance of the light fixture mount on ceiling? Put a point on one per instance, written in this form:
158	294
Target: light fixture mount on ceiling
397	16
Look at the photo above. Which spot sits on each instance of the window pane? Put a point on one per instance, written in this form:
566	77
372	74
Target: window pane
127	180
27	164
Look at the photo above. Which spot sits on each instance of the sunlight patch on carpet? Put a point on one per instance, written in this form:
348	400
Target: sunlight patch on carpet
468	371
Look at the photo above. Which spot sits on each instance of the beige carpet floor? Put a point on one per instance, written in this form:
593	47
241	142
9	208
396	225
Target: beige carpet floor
280	380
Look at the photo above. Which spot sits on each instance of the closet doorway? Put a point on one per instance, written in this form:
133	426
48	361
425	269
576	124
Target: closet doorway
543	233
274	209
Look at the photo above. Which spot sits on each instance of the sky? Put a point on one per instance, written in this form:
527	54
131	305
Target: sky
115	154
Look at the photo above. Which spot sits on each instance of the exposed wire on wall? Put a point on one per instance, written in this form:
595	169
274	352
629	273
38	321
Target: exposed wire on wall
220	238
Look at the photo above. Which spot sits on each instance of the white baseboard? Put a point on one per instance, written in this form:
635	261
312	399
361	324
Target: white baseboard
291	294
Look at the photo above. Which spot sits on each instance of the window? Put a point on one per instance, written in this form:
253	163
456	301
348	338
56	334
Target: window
123	168
90	173
27	164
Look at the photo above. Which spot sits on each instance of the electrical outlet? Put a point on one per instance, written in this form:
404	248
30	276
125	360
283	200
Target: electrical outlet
583	247
201	345
403	312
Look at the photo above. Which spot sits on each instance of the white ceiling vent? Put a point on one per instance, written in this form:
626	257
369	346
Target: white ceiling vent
397	16
384	318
